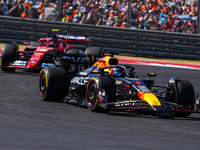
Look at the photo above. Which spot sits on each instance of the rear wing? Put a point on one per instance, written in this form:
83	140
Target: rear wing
88	60
75	39
70	38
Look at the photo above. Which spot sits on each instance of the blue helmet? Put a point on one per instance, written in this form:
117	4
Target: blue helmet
118	72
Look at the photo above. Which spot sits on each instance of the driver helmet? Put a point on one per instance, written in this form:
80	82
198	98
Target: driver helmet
117	72
52	44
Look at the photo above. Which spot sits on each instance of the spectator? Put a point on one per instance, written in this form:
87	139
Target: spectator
69	17
33	13
15	11
169	23
77	18
5	7
1	11
26	4
65	9
25	14
41	8
10	4
120	5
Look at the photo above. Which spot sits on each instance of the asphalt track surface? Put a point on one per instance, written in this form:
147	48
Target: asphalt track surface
28	123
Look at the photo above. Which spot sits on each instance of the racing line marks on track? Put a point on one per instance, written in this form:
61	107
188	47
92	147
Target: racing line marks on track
160	64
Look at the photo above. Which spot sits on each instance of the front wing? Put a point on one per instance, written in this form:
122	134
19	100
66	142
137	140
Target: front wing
141	105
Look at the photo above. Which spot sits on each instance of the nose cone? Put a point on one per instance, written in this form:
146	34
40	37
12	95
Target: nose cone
150	98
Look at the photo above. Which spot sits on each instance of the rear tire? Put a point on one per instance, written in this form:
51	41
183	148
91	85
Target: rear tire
72	51
53	84
9	54
92	50
92	92
186	97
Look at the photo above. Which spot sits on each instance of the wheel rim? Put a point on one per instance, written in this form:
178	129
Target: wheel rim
92	94
42	84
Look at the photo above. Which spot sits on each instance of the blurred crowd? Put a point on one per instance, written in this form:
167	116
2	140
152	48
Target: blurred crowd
163	15
33	9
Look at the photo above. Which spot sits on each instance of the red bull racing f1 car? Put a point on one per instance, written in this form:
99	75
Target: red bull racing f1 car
107	86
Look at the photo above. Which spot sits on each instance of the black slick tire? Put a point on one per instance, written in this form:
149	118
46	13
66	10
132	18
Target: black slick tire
92	50
53	84
9	54
72	51
186	97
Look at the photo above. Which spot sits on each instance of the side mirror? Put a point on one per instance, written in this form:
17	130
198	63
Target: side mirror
151	74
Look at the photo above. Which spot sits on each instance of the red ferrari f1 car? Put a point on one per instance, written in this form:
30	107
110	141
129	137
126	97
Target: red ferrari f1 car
107	86
40	54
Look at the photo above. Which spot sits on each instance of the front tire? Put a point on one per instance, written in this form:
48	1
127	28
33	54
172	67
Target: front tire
53	84
9	54
92	92
186	97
